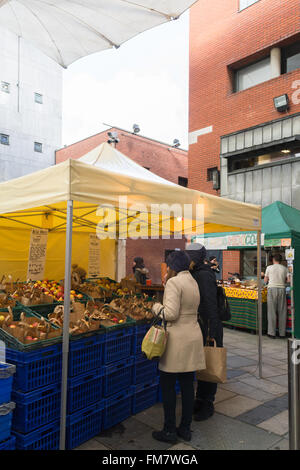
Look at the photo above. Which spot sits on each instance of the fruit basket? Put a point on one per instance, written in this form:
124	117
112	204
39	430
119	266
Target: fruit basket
24	330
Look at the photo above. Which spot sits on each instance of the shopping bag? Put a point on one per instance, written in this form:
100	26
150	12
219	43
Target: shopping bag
216	364
155	340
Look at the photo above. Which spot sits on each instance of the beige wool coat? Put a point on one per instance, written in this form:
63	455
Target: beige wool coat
184	351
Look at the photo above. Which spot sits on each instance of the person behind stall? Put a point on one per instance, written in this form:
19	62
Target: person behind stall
276	276
184	353
214	264
139	270
210	323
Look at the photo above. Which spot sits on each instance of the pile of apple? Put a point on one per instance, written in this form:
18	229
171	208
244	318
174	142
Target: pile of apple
46	290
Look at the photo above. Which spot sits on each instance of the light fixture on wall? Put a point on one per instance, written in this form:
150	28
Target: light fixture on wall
285	151
113	138
281	103
136	128
176	143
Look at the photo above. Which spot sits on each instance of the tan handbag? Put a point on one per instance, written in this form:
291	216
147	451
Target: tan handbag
216	364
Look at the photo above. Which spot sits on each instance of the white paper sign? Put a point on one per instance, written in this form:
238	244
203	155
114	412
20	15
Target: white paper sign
290	254
37	254
94	256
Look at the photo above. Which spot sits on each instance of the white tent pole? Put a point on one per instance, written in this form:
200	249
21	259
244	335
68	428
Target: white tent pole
65	343
259	303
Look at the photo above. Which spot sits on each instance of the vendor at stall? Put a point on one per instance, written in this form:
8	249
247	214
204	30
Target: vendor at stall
276	277
139	270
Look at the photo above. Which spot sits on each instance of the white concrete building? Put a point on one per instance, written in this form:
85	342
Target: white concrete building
30	108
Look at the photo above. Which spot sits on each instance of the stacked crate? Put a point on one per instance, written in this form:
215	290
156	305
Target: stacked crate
36	392
7	442
85	402
145	374
118	375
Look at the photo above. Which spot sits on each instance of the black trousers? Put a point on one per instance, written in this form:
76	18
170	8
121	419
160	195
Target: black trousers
167	383
207	390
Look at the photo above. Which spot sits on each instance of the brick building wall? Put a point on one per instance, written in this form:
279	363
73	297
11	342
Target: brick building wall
222	39
161	159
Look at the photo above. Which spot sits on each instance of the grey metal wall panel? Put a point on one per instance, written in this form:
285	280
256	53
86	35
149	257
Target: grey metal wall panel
266	189
258	136
257	185
240	141
267	134
296	185
232	144
224	145
231	184
248	186
287	128
286	177
248	139
277	130
296	125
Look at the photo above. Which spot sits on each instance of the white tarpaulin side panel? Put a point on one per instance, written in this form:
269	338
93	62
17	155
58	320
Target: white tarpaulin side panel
67	30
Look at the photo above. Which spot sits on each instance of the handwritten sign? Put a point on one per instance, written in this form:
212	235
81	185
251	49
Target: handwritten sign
37	254
94	256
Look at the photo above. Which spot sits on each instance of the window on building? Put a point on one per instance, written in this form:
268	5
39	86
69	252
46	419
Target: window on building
38	147
246	3
4	139
182	181
5	86
290	57
249	263
211	172
253	74
244	162
38	98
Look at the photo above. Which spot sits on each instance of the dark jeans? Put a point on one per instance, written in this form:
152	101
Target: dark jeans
208	390
167	383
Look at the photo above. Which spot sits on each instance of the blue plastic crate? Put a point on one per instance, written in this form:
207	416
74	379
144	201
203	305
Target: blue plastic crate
144	370
36	369
45	438
117	408
36	408
6	379
6	413
138	336
9	444
118	376
84	425
117	345
85	390
86	354
145	396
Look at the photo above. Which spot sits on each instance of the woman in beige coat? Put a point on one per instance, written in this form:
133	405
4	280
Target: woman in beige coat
184	352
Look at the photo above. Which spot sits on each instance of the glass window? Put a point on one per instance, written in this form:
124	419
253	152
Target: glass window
253	74
249	263
4	139
5	86
38	147
38	98
291	58
240	163
246	3
182	181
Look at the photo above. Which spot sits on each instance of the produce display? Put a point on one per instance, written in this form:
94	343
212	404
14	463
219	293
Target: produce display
101	289
79	322
28	329
136	307
38	292
6	301
246	289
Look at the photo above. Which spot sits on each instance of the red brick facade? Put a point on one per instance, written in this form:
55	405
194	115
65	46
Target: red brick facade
161	159
223	39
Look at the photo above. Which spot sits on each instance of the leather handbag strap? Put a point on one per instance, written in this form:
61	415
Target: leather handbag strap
157	318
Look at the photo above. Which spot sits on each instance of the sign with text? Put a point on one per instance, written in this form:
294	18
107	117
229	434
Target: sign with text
94	256
37	254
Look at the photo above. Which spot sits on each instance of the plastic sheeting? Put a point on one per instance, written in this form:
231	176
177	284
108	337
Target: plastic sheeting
67	30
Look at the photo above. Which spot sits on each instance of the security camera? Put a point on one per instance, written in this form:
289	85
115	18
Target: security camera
176	143
136	128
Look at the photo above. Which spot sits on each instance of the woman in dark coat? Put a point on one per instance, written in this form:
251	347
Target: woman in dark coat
139	270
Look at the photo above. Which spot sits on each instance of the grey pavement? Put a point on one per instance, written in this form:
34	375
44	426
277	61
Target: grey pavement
250	413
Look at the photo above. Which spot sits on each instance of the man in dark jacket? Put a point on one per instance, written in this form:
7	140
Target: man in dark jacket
209	321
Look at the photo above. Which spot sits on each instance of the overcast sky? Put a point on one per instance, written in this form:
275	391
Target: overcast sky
145	82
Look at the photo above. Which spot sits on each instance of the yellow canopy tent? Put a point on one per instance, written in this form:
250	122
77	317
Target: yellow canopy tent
67	199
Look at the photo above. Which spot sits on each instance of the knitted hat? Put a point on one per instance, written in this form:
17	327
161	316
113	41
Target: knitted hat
196	252
178	261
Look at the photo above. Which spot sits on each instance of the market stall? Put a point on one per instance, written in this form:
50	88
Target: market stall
280	231
72	199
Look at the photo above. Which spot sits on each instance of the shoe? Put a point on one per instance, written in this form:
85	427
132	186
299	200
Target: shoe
271	336
206	411
165	436
184	433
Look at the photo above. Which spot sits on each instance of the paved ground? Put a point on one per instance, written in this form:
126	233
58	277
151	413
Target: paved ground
251	413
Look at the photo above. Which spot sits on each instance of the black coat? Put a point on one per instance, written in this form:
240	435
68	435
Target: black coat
208	309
